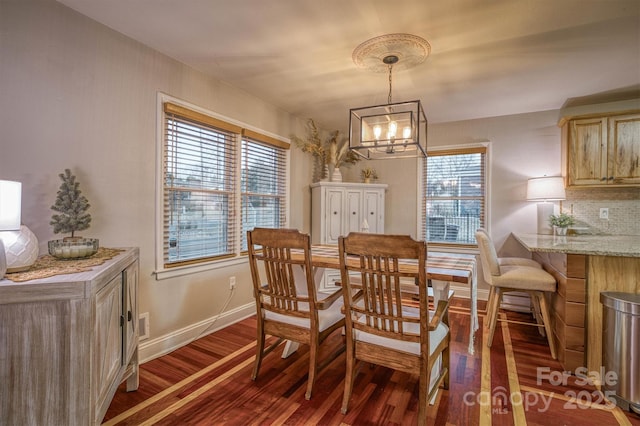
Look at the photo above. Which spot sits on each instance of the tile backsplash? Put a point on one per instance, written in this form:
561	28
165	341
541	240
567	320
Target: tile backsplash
623	205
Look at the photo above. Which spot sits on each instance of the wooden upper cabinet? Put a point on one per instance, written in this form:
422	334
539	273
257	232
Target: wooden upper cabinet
624	149
588	151
604	150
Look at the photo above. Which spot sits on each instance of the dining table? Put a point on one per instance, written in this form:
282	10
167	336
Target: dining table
443	268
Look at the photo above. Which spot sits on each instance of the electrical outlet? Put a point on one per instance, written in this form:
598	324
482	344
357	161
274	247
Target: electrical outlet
143	326
604	213
232	283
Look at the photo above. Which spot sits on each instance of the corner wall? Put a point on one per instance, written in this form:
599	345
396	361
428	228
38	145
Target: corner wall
76	94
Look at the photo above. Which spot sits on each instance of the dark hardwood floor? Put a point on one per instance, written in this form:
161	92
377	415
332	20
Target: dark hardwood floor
208	383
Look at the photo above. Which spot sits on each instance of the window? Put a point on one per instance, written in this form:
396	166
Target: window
454	193
209	201
263	187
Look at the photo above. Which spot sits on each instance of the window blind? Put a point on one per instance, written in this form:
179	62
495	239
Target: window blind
263	186
454	185
198	188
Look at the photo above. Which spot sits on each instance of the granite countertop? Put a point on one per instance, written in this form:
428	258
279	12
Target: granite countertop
597	245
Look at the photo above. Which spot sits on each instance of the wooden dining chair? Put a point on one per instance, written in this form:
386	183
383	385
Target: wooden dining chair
383	325
287	302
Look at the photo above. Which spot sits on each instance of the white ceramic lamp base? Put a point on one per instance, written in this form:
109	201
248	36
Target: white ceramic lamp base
544	211
21	249
3	260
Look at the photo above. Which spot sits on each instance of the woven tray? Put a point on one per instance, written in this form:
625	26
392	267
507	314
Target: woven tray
48	266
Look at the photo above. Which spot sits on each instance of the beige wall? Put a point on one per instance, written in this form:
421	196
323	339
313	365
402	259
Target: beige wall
78	95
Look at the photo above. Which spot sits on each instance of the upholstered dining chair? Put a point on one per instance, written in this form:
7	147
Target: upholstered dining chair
504	278
287	302
512	261
383	325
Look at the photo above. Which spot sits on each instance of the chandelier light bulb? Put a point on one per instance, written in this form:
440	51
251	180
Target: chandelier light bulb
406	132
393	128
377	131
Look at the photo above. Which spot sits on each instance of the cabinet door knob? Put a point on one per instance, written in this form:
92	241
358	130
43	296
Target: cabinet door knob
335	212
121	320
353	212
371	213
603	179
129	316
610	177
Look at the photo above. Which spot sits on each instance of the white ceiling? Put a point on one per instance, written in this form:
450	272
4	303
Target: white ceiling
488	57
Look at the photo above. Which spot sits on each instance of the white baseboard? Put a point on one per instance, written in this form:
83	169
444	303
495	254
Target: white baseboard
162	345
464	292
154	348
515	301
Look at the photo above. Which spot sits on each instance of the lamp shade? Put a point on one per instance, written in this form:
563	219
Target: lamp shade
389	131
10	205
547	188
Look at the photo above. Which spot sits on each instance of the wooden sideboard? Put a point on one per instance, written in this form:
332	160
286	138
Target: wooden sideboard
67	342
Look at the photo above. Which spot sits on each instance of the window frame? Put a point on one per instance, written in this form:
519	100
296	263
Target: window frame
241	131
421	213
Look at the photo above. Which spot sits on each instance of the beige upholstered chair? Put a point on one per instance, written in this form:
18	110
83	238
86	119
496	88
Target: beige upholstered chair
511	261
505	278
514	261
288	304
381	327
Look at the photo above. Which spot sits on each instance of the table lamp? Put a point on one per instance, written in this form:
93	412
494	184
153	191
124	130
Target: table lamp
20	244
543	190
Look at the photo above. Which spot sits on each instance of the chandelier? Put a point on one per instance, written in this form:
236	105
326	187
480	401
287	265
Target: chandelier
392	130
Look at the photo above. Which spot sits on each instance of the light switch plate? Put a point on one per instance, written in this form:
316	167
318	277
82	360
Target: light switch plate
604	213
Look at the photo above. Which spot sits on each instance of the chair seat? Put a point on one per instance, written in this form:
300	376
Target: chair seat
524	278
326	317
518	261
435	337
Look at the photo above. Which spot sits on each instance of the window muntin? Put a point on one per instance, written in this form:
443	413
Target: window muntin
216	185
454	195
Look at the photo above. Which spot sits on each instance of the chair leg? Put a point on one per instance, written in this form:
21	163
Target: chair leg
495	305
547	322
535	306
259	352
349	377
423	395
446	364
314	348
492	294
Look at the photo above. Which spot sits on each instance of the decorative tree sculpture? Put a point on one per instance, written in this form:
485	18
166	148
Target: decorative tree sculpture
71	205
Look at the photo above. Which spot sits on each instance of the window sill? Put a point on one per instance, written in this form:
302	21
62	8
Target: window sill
163	274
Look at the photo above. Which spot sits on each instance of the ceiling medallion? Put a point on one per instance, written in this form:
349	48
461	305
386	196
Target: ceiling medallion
409	49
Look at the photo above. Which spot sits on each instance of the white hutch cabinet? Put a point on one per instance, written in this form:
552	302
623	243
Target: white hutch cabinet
339	208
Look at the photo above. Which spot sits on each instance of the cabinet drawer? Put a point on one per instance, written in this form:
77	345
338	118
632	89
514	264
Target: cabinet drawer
570	265
573	289
571	313
569	359
573	337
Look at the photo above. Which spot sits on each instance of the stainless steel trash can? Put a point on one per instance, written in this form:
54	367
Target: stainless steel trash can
621	347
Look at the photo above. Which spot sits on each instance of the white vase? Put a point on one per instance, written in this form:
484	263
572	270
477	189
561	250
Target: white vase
561	230
3	261
336	176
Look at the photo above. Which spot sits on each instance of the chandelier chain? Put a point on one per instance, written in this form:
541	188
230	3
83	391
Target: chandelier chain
390	83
